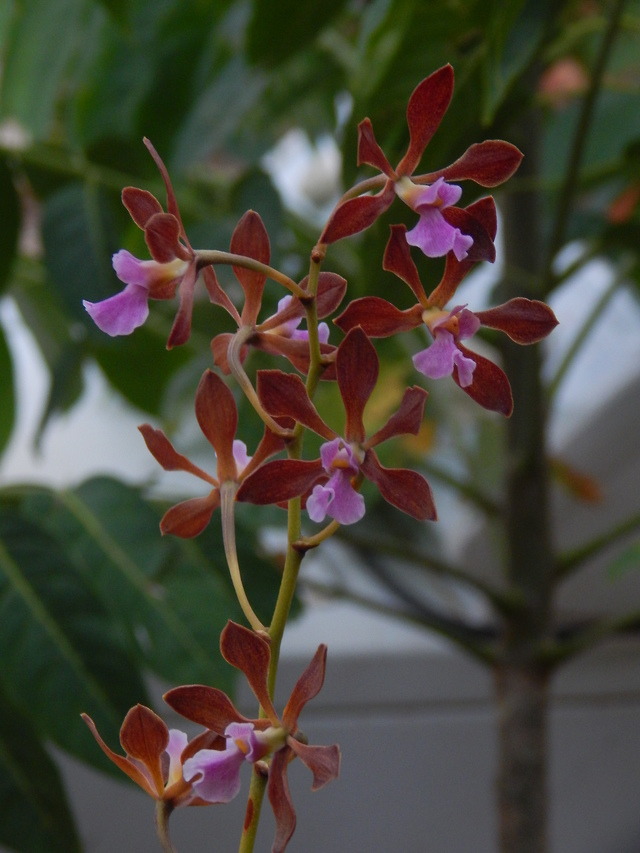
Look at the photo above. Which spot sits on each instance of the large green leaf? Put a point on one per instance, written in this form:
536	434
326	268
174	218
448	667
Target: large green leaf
162	594
42	40
61	653
35	814
278	30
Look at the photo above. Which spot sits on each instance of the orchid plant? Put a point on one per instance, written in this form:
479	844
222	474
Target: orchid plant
325	490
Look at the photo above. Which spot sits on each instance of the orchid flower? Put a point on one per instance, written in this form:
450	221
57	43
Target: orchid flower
525	321
442	227
279	333
217	416
174	266
212	774
331	480
155	755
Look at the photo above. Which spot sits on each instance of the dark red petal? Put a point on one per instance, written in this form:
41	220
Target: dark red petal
220	349
164	452
427	105
280	799
206	706
526	321
331	290
217	415
142	205
280	480
250	239
285	395
270	443
161	235
357	373
370	152
408	418
181	329
125	764
217	295
407	490
189	518
307	687
487	163
490	387
378	318
249	653
482	248
356	214
397	259
172	204
484	210
323	761
296	351
144	736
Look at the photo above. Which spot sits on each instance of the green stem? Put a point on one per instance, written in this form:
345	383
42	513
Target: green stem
227	505
163	812
568	563
210	257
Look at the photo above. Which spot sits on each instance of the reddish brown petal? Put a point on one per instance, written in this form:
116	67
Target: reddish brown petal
250	239
331	290
490	387
296	351
307	687
370	152
127	766
189	518
144	736
356	214
397	259
285	395
323	761
249	653
181	329
204	705
280	799
408	418
524	320
378	318
161	235
482	248
270	443
220	349
142	205
280	480
164	452
217	416
484	210
428	103
172	204
357	373
487	163
402	488
217	295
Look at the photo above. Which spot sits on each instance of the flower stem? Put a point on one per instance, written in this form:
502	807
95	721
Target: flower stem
163	812
208	257
227	504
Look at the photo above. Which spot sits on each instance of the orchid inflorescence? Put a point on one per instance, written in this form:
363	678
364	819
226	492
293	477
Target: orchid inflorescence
206	769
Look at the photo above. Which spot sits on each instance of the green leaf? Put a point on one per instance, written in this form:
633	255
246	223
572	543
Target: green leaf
10	219
35	813
166	600
277	31
7	392
61	653
42	40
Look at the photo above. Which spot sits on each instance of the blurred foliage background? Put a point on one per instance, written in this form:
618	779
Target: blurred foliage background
91	599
